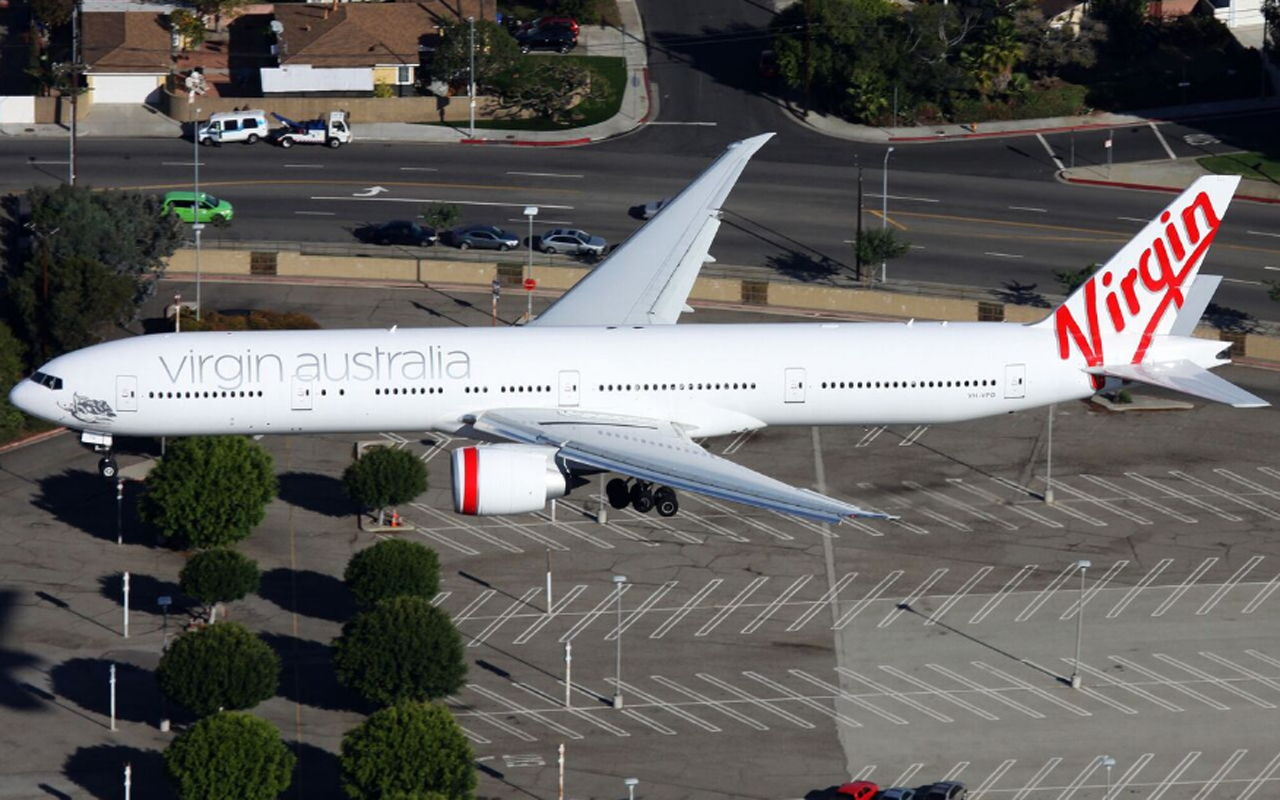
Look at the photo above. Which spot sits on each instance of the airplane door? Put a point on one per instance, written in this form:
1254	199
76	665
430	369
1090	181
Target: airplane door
126	393
569	391
301	395
794	392
1015	381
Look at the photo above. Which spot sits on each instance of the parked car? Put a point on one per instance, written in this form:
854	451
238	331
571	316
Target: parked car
483	237
650	209
550	22
571	241
858	790
398	231
946	790
184	205
897	794
559	38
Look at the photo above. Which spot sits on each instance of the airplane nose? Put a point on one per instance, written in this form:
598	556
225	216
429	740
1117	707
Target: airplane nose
23	397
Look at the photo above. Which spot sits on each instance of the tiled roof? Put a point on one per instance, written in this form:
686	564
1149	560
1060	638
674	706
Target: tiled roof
117	41
367	34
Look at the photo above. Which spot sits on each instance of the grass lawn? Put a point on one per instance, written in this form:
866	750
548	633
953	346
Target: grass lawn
611	69
1254	166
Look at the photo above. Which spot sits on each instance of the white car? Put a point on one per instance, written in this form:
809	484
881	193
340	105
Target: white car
571	241
650	209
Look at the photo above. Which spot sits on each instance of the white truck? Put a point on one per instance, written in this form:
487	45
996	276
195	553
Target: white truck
333	131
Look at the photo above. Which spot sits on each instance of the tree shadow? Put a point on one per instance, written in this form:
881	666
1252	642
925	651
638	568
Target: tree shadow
12	693
86	683
318	772
145	592
312	594
1021	294
308	677
99	771
312	491
804	267
85	500
1229	319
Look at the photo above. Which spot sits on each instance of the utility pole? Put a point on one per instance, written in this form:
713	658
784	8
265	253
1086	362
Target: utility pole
75	88
808	56
471	76
884	213
857	239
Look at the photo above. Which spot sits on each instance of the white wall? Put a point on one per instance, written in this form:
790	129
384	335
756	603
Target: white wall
17	110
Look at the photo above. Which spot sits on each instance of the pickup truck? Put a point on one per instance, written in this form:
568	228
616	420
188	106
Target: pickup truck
333	131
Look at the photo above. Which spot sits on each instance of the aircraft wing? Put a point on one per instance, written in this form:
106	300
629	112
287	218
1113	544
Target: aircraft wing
647	279
659	451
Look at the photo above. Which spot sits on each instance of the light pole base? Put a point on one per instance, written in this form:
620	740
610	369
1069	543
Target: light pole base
1048	497
617	701
1076	682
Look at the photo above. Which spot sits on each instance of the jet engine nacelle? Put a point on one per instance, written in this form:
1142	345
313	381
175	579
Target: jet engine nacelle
505	479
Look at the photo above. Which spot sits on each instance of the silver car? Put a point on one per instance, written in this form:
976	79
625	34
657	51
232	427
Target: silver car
571	241
483	237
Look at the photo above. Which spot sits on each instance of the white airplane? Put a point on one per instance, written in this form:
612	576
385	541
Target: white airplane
604	381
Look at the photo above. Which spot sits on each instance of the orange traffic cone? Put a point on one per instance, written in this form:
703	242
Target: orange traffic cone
395	519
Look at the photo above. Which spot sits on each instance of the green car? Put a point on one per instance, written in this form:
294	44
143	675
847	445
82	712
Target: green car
184	205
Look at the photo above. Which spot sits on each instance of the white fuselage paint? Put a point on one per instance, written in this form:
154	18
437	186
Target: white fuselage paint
714	379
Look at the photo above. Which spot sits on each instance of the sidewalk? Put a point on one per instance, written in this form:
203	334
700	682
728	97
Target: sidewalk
1163	176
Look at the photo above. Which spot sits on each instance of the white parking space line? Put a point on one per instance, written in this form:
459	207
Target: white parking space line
1224	685
993	778
1079	780
723	613
738	441
871	596
1184	586
901	697
955	771
756	701
996	500
1211	787
1163	143
475	737
1245	482
556	608
1208	487
901	502
723	708
440	598
1093	590
468	527
640	610
758	524
550	544
1172	778
1262	595
1004	592
591	616
1040	775
1102	698
684	610
660	524
870	436
936	692
591	719
1062	486
1184	497
914	436
914	597
823	602
799	698
545	518
496	721
960	505
1046	593
1135	690
905	777
1245	671
505	616
1267	772
1155	676
473	606
523	711
435	536
1133	593
1222	590
1067	508
618	529
769	610
693	719
848	697
1057	162
1139	499
1129	775
1037	691
821	530
647	722
865	773
989	693
960	593
712	526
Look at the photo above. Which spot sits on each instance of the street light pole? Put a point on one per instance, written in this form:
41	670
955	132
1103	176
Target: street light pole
1048	466
1108	762
471	75
530	212
1076	680
619	581
884	213
631	784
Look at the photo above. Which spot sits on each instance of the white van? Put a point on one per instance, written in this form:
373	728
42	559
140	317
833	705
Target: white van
234	126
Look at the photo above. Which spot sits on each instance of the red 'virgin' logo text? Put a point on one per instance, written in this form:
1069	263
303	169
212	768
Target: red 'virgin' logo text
1162	270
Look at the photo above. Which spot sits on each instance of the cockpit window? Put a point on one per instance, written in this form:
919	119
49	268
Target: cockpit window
47	381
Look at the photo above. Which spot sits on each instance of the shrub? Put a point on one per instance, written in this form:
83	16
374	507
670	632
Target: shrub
230	756
383	477
219	575
408	750
402	649
222	666
391	568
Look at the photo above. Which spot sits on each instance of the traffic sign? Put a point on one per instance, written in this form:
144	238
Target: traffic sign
530	284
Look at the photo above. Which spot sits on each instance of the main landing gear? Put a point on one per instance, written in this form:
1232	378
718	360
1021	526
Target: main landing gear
642	496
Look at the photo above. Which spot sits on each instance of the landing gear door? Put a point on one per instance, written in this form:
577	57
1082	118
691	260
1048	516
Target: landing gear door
126	393
569	391
794	392
1015	381
301	395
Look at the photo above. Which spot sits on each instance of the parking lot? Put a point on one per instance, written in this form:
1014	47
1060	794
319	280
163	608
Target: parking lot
762	656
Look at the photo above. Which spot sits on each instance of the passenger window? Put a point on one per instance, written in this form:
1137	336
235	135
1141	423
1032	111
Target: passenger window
250	123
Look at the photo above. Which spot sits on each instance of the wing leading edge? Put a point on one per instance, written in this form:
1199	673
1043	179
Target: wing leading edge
647	280
659	451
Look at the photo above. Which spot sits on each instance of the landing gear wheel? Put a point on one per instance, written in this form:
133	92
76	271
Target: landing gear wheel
617	493
665	501
108	468
641	497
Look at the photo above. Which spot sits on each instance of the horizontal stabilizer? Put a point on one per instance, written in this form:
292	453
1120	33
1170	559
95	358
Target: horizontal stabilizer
1186	377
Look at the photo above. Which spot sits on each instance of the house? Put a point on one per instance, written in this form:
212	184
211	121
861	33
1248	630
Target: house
127	55
347	49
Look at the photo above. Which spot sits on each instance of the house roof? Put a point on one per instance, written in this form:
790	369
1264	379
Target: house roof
116	41
367	34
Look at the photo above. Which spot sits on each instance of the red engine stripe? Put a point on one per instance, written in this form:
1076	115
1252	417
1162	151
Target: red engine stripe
470	484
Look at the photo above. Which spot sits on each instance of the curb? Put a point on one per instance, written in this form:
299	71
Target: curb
530	142
34	438
1147	187
947	137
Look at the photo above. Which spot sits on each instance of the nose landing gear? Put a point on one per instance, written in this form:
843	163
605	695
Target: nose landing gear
107	467
642	496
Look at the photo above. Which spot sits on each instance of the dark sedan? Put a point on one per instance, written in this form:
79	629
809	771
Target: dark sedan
559	38
482	237
400	231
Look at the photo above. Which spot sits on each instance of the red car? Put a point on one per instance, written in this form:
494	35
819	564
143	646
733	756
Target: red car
554	22
858	790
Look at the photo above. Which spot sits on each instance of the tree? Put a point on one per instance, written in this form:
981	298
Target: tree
209	490
551	88
219	666
217	576
441	216
53	13
582	10
391	568
1271	37
880	245
402	649
408	750
1070	280
12	420
383	477
219	8
83	301
190	27
496	52
230	756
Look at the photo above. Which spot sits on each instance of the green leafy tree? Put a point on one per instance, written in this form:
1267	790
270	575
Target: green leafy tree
880	245
382	477
402	649
391	568
410	750
12	420
1271	19
229	756
1072	279
53	13
1125	20
441	216
496	53
551	88
220	666
83	301
209	490
190	26
219	575
582	10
